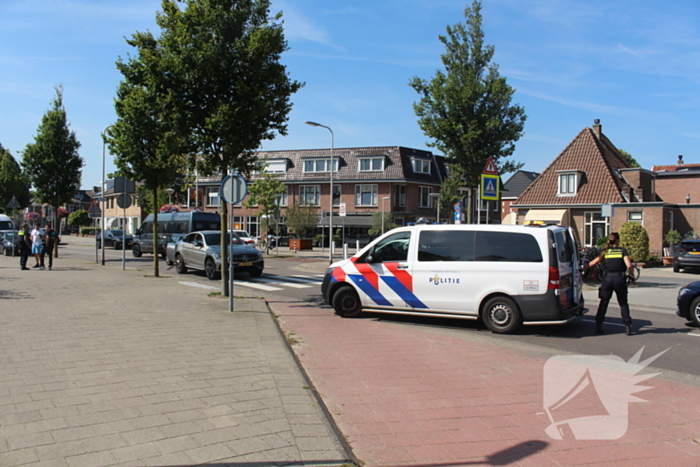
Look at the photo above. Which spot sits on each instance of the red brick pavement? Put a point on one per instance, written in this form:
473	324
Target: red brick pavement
402	395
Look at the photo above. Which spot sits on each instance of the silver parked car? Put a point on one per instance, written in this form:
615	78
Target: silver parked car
202	251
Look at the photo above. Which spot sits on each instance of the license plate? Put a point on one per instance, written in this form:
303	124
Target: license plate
245	264
694	252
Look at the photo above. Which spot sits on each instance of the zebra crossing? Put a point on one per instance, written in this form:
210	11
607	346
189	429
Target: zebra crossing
271	282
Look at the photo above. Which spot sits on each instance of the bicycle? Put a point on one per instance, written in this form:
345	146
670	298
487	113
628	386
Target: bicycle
634	277
262	244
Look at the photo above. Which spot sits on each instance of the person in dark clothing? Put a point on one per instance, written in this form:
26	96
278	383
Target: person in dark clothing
51	241
25	243
618	264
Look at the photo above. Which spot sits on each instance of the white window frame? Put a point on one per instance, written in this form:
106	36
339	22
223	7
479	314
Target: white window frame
370	188
276	167
309	190
567	183
371	162
400	196
423	195
632	217
421	166
312	165
212	190
285	197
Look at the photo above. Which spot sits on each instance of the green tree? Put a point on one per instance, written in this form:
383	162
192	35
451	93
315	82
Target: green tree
466	109
12	181
52	163
144	198
302	220
632	161
145	138
377	219
79	219
450	194
225	81
635	239
263	194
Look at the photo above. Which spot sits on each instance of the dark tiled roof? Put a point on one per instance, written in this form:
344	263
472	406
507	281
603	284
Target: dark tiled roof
518	183
597	158
675	168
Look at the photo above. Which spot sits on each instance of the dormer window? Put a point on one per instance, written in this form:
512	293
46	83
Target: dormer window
276	167
371	164
569	182
320	165
421	166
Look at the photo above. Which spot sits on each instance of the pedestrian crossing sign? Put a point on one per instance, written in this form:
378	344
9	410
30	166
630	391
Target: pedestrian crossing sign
490	187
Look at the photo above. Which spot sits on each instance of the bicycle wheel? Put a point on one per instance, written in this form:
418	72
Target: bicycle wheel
632	278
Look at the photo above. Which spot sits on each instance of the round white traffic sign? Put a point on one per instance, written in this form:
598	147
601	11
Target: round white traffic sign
234	188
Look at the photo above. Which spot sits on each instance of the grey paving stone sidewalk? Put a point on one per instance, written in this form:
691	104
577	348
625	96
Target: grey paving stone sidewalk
102	367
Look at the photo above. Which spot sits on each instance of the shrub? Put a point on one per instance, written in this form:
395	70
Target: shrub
672	237
635	238
80	219
88	230
692	235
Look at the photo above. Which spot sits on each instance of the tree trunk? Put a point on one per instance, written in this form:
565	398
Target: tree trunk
224	247
156	272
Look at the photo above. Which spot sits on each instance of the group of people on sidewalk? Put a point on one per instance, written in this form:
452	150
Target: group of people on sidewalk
37	242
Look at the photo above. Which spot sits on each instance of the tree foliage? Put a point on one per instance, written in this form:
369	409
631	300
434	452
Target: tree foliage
263	194
79	218
632	161
466	109
52	163
635	239
301	220
12	181
377	219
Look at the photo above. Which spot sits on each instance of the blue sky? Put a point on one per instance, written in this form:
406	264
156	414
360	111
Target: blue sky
634	64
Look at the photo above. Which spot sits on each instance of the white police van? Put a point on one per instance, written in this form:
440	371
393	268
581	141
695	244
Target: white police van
506	275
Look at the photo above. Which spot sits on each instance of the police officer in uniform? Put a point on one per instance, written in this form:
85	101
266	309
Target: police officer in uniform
617	262
25	247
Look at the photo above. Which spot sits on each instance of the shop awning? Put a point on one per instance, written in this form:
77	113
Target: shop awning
547	216
510	219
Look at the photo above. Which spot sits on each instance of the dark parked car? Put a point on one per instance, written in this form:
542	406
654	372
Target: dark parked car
8	238
115	239
687	255
688	302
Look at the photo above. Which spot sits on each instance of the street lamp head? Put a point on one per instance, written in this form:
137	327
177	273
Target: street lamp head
170	191
312	123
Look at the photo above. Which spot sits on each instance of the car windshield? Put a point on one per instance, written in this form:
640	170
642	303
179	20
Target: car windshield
214	239
117	232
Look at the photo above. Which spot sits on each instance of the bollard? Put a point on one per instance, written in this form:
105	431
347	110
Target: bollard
357	246
345	251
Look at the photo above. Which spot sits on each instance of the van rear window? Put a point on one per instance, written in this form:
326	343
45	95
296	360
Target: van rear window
455	245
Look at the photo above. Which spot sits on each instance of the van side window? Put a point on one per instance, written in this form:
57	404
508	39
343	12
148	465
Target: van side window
565	247
147	228
507	246
392	248
444	245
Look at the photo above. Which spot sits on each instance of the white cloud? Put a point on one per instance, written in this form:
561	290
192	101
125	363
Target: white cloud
300	27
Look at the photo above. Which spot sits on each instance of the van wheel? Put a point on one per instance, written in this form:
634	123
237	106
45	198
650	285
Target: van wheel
210	269
136	251
346	303
180	265
501	315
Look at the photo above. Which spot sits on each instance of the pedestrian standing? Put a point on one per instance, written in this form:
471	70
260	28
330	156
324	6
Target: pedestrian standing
25	247
37	245
618	264
52	240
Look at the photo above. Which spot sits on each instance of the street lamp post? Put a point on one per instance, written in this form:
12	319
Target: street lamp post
384	198
170	192
102	195
330	219
437	197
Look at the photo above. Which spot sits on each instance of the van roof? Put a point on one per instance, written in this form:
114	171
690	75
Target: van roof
505	227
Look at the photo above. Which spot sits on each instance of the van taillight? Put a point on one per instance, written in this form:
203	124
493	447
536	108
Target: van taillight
553	278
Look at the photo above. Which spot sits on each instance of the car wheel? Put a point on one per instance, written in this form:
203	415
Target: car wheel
346	303
501	315
694	311
180	265
210	269
117	246
256	272
168	262
676	267
136	251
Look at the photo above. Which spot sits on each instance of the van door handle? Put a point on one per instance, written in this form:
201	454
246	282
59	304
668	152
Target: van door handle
402	266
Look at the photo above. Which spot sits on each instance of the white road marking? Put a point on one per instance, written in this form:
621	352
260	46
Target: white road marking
253	285
693	334
611	324
276	282
201	286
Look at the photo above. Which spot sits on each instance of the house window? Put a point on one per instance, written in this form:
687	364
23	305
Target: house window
424	198
276	167
320	165
400	195
365	195
372	164
567	184
635	216
283	196
212	196
421	166
310	195
336	194
595	228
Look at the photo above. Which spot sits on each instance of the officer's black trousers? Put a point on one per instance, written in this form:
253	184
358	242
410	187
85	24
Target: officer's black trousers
613	283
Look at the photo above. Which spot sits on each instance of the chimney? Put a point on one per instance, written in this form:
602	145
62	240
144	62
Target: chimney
680	159
597	127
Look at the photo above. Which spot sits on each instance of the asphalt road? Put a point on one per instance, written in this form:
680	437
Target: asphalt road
652	304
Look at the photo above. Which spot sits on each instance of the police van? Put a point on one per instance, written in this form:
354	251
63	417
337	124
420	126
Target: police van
170	224
505	275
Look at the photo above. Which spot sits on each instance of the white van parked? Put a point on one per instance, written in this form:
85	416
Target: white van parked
506	275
